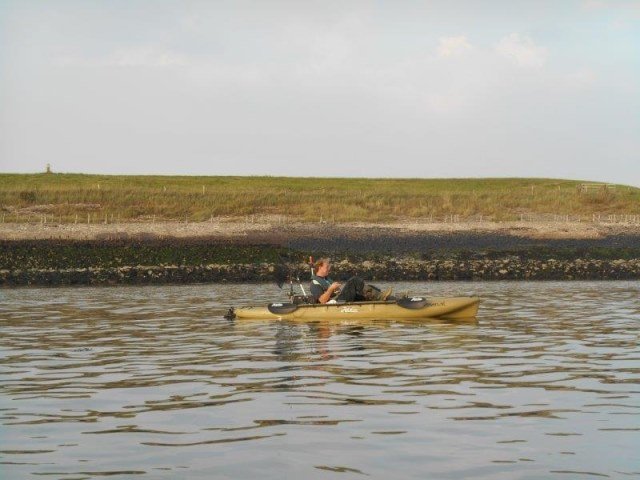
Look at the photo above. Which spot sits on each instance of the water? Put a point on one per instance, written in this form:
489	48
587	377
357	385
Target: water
152	382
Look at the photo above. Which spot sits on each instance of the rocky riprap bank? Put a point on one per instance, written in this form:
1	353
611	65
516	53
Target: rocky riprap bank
391	270
197	260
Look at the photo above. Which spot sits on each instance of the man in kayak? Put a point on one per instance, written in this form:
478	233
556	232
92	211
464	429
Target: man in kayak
324	289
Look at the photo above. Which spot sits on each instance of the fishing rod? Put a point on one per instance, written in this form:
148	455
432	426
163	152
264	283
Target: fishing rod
281	277
299	282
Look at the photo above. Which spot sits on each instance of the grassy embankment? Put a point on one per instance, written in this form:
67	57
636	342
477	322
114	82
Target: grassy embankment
77	197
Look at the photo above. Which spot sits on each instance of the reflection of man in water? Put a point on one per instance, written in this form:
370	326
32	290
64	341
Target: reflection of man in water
324	289
323	333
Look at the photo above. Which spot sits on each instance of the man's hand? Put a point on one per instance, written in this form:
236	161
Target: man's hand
326	296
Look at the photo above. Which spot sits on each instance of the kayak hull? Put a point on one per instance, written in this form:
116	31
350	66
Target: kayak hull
431	307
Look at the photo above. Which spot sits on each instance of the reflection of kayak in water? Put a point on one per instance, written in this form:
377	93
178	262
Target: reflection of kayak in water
409	307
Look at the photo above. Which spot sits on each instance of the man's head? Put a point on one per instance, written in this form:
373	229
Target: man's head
322	267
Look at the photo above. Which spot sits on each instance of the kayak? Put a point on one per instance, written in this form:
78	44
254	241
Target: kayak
402	308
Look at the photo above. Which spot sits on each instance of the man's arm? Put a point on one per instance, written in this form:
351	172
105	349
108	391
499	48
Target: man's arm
326	296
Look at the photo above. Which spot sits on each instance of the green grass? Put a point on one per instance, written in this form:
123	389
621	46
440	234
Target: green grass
26	197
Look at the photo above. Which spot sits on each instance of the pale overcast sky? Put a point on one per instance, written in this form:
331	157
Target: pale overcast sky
388	88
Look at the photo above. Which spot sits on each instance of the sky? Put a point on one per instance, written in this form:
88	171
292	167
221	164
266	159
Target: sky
387	88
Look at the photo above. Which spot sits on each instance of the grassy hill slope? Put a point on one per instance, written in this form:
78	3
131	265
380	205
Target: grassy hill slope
67	197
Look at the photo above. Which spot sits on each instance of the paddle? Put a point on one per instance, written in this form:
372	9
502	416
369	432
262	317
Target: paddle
280	274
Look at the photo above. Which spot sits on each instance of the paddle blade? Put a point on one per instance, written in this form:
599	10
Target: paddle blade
280	275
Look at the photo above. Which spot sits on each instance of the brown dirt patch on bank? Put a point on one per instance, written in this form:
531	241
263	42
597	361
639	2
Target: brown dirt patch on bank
234	228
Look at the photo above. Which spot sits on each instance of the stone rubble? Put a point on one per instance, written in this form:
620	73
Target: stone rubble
396	269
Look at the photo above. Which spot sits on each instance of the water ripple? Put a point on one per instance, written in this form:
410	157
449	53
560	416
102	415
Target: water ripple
154	381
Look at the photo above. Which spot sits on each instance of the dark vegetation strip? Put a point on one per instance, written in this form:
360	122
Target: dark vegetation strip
273	248
153	260
70	254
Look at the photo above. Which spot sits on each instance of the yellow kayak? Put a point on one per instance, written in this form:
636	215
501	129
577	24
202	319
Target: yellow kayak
402	308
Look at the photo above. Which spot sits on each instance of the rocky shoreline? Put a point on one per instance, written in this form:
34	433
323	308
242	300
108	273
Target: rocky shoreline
389	270
373	253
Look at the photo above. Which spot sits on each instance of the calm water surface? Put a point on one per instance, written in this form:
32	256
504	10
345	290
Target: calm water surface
152	382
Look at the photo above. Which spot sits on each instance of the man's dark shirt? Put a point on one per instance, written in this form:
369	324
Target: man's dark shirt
319	285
